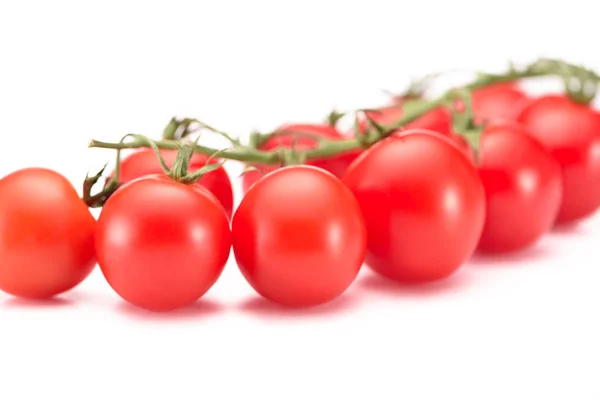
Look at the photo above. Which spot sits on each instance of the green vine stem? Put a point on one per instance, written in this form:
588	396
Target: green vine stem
334	117
464	122
326	148
580	84
97	200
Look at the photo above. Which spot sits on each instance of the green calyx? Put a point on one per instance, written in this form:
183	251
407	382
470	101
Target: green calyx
179	172
97	200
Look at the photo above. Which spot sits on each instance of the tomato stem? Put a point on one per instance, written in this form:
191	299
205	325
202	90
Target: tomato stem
334	117
98	200
412	109
464	122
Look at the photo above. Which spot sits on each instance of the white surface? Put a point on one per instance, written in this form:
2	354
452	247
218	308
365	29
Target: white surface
520	328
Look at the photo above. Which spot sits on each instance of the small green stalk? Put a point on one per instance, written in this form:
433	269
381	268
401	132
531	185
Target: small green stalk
179	171
98	200
580	84
464	123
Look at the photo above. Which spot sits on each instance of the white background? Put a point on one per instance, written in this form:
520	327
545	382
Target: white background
522	327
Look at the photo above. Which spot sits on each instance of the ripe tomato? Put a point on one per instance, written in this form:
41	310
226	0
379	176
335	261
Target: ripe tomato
523	188
436	121
145	162
162	244
46	234
571	133
439	119
498	102
298	236
336	165
423	203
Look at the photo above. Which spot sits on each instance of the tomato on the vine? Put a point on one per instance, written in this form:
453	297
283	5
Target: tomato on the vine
302	137
46	234
571	133
498	102
162	244
436	121
439	119
423	203
523	188
298	236
144	162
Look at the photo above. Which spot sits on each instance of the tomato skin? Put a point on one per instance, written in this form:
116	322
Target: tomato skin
423	204
439	119
337	165
498	102
46	234
523	188
161	245
571	133
144	162
298	236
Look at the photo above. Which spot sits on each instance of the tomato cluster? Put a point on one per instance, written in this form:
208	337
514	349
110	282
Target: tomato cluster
413	207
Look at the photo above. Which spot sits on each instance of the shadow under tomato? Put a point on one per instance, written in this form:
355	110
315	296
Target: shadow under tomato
570	228
380	284
53	302
198	310
263	308
511	259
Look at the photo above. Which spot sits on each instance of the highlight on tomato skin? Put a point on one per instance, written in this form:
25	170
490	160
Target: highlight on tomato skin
523	186
145	162
299	238
423	204
46	234
288	137
162	244
571	133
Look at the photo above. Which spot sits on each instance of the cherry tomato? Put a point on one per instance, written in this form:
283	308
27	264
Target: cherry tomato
523	188
298	236
287	137
145	162
498	102
162	244
46	234
423	203
439	119
571	133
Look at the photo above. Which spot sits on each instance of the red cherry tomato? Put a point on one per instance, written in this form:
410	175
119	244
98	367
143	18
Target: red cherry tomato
423	203
501	101
337	165
162	244
523	188
299	237
46	234
439	119
571	133
498	102
145	162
